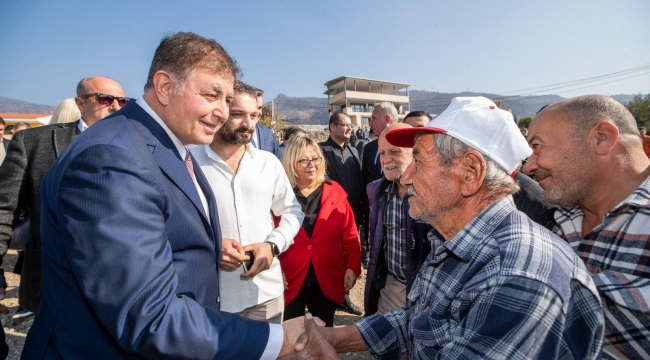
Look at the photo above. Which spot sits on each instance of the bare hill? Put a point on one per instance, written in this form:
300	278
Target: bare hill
18	106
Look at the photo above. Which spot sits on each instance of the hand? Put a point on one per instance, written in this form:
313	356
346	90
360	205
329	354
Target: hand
349	279
232	254
316	346
263	258
3	309
293	328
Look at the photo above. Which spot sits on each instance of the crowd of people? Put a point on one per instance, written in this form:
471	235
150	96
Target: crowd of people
175	225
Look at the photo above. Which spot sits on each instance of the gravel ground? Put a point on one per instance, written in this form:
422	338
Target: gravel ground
16	330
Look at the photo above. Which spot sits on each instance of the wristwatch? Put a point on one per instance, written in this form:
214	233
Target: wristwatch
274	248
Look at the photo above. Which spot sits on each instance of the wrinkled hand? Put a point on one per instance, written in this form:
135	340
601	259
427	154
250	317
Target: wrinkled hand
349	279
316	346
3	309
263	258
232	254
293	328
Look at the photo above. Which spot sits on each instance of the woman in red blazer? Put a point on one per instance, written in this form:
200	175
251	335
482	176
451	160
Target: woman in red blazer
324	260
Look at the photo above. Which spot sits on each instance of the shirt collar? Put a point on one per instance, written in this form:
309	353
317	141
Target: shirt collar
251	152
465	242
177	142
82	125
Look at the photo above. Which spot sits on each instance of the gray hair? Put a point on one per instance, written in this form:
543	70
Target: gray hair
497	181
388	109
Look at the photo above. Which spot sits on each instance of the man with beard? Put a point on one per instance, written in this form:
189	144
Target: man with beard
589	159
249	183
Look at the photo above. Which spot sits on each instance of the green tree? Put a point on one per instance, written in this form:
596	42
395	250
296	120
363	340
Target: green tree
525	122
639	106
275	123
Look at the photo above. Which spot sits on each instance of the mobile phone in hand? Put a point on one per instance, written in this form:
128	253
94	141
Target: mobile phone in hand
248	263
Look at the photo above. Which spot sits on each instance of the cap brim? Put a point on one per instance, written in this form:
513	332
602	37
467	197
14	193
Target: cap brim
404	137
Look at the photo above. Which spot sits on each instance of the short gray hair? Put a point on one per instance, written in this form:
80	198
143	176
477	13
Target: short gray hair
497	181
389	109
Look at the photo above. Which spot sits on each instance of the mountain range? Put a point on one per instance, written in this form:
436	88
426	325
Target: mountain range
314	111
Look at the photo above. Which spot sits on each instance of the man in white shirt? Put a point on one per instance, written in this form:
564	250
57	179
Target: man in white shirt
250	187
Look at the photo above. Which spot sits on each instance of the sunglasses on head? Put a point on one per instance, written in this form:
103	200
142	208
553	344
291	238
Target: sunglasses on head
106	100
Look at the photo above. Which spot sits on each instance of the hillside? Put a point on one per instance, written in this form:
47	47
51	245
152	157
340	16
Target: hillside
17	106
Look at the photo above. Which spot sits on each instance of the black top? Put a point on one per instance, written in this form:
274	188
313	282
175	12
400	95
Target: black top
344	167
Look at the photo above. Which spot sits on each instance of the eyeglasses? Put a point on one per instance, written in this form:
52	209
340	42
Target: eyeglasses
106	100
344	125
305	162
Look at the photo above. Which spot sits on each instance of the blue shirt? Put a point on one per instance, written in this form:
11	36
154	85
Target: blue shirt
503	287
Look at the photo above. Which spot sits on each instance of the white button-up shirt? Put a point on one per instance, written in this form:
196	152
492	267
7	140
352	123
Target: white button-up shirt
245	200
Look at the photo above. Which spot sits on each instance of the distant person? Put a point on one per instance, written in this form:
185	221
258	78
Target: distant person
398	243
344	167
66	112
646	141
589	159
291	133
264	137
524	131
252	187
417	118
21	126
9	133
360	134
324	261
29	156
5	143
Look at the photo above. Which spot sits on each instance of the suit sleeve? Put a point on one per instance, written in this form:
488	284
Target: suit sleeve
112	220
13	185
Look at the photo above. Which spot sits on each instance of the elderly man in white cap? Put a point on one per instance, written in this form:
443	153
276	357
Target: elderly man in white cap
496	285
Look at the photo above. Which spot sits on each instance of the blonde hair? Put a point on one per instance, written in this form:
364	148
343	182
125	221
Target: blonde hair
292	153
66	112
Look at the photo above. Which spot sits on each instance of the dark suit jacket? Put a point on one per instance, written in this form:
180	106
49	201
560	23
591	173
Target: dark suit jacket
130	259
371	168
29	155
357	201
268	142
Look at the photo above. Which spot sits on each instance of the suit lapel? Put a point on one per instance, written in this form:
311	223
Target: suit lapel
62	136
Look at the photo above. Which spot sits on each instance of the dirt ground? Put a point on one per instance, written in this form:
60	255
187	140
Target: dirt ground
16	330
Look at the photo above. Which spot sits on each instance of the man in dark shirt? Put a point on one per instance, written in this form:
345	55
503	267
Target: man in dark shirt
344	167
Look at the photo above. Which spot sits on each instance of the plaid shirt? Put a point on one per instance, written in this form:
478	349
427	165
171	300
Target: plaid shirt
504	288
617	254
396	239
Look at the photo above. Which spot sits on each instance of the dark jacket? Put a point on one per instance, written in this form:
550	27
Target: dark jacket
30	154
530	201
268	142
419	245
371	167
334	172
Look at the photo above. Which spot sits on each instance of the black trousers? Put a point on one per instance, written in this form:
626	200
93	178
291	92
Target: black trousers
317	304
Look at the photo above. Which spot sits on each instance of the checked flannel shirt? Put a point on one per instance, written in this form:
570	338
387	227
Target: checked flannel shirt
617	254
502	288
396	242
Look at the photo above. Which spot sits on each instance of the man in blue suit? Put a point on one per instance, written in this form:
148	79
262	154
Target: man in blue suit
130	229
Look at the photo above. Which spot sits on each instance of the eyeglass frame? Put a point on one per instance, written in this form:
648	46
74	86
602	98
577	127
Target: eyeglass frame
310	161
112	98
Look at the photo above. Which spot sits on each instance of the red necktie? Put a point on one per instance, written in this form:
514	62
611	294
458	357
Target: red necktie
189	164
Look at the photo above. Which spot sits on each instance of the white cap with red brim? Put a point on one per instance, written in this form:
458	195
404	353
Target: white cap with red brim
479	123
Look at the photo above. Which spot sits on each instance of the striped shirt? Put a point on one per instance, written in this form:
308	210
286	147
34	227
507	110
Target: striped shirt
396	238
503	287
617	254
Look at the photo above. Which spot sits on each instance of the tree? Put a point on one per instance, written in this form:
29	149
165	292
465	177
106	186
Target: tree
525	122
276	124
639	106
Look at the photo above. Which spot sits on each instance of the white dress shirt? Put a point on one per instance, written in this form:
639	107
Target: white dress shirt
276	332
245	200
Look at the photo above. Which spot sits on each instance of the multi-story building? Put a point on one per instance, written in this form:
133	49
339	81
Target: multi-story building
357	96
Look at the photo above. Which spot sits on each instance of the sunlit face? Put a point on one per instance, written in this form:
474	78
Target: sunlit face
196	114
559	162
433	189
308	174
240	126
91	110
378	121
341	129
417	121
394	160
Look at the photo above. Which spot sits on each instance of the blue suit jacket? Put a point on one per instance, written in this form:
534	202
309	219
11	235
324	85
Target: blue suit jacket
130	260
268	141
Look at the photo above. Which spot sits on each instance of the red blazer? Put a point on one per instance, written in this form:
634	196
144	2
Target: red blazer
333	248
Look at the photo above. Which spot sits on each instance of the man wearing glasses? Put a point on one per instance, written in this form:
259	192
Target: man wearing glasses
344	167
29	155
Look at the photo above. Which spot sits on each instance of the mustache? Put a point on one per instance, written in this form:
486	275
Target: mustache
242	129
411	191
541	174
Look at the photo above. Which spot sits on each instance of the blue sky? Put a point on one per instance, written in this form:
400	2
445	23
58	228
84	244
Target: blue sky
294	47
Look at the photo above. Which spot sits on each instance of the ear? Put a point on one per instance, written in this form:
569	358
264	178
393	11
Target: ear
603	137
471	172
163	87
80	104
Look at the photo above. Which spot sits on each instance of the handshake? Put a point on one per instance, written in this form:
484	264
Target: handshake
307	338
